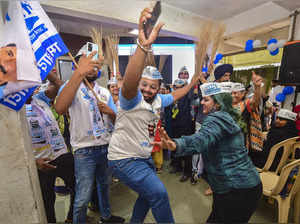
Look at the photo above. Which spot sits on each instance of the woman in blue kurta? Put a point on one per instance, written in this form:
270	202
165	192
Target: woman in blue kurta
233	178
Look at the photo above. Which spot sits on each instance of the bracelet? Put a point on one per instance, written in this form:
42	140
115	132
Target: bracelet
146	50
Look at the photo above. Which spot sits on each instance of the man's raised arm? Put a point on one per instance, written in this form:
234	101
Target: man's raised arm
136	64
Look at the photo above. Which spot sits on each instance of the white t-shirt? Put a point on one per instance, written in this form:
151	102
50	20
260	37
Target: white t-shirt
88	127
135	126
47	141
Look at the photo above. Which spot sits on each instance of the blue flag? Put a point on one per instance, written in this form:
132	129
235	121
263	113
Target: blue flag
37	43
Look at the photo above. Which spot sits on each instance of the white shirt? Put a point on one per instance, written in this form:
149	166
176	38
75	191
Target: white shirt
87	126
135	126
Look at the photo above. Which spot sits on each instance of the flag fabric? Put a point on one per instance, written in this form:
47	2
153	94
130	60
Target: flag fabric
38	45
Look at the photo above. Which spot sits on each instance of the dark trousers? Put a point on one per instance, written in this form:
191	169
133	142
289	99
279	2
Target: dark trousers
187	164
65	170
236	206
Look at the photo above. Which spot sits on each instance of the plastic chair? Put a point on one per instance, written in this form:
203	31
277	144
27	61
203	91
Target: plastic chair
274	184
287	150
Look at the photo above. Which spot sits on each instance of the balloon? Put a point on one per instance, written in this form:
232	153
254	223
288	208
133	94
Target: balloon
257	43
281	43
280	97
287	90
204	69
272	41
273	53
272	47
216	61
219	56
249	46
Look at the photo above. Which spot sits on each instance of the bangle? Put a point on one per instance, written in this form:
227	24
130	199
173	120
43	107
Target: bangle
146	50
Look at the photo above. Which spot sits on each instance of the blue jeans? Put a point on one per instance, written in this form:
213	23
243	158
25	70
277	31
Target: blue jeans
90	163
139	174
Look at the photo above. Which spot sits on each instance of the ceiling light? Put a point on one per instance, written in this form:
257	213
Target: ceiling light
134	32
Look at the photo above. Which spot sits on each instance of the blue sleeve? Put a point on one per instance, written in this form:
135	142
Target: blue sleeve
61	88
166	99
1	92
111	104
129	104
42	96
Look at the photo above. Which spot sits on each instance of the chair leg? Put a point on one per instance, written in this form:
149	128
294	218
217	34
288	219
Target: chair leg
283	210
297	208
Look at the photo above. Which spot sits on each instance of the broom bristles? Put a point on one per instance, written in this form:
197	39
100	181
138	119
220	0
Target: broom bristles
217	39
114	49
204	41
108	56
96	35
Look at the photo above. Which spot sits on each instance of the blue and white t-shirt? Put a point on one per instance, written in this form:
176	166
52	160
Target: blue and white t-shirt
89	127
135	126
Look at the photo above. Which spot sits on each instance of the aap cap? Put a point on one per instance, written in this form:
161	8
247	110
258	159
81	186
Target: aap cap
213	88
112	81
287	114
237	87
179	82
151	72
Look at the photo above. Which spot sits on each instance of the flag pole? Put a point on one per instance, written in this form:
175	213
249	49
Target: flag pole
84	79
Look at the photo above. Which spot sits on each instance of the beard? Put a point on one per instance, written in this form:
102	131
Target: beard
149	99
91	79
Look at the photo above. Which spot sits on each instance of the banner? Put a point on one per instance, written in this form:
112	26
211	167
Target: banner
28	51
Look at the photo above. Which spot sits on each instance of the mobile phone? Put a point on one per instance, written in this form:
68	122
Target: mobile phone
90	47
148	26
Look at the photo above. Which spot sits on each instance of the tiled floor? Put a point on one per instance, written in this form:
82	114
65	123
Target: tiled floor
189	204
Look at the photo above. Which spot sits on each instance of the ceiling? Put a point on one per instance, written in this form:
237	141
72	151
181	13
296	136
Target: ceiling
224	9
77	17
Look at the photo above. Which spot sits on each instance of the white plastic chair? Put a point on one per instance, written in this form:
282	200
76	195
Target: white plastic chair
274	184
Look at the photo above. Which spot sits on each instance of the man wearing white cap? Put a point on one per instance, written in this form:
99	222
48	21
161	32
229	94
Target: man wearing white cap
129	151
91	125
284	128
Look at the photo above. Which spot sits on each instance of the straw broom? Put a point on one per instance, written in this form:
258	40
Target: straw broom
114	49
96	35
109	57
202	45
217	39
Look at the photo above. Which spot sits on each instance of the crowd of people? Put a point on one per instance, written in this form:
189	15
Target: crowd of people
215	130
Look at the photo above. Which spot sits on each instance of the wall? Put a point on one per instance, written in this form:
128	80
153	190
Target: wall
20	195
182	54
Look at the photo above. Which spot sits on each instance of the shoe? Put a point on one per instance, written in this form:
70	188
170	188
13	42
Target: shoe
193	180
184	178
69	221
112	219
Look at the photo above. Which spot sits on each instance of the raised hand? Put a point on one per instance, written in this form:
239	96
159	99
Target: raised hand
87	65
145	15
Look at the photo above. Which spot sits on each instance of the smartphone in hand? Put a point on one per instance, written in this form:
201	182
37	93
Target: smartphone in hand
148	26
90	47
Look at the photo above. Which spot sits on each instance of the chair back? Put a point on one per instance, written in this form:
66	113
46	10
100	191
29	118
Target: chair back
287	149
285	172
295	148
